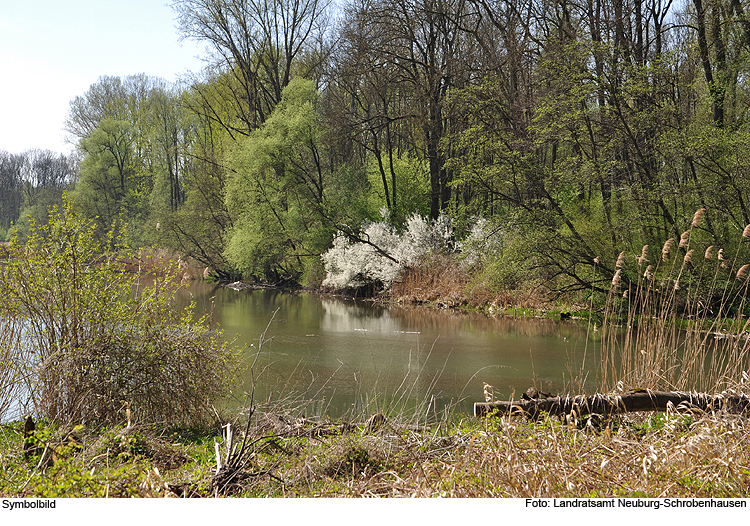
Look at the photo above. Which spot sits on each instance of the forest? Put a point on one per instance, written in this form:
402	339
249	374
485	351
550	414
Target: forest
531	141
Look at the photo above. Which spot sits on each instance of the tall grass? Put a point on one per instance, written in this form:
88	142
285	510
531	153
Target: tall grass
345	393
676	319
413	399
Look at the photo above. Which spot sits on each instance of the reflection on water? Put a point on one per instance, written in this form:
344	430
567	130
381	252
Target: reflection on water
358	356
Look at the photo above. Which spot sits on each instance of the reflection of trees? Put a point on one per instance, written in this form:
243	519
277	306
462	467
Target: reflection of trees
420	318
320	351
343	316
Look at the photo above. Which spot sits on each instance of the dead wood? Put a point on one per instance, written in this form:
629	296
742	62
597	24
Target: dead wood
606	404
231	471
29	440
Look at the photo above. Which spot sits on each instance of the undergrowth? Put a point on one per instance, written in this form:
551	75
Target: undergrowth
636	455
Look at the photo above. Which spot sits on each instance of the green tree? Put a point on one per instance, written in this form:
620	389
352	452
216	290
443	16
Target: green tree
198	226
105	190
285	196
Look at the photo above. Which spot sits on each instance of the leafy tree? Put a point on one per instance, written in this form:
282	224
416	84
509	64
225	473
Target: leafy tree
285	195
106	189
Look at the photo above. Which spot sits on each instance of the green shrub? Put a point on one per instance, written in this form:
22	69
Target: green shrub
97	338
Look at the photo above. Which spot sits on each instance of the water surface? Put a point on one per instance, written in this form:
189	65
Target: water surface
356	356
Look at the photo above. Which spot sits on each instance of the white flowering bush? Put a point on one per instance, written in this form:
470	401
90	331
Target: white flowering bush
484	240
384	253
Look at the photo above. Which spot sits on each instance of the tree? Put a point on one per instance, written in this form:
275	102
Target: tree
169	137
285	197
11	166
566	142
105	189
105	99
30	183
260	45
46	176
134	135
421	44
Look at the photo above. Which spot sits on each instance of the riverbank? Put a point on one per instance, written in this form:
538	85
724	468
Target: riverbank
665	455
439	282
442	282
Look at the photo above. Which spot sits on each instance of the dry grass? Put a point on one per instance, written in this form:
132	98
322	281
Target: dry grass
160	262
439	280
680	322
668	456
442	281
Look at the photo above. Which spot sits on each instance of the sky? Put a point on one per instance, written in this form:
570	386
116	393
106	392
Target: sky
53	50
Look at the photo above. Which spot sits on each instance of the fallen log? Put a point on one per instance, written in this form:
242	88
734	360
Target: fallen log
602	404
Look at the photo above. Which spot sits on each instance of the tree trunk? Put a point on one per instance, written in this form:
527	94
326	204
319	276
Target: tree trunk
715	90
642	400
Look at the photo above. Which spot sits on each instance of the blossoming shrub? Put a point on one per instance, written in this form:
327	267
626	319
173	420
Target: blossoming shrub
381	253
482	243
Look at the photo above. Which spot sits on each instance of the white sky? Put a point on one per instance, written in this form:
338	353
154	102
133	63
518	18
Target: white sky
53	50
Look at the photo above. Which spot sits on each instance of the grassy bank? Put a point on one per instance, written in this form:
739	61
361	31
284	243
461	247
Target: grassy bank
441	281
647	456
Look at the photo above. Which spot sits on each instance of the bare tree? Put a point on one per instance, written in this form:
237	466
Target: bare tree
104	100
422	47
259	45
11	167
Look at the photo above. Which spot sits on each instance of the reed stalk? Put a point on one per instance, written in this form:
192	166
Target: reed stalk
681	324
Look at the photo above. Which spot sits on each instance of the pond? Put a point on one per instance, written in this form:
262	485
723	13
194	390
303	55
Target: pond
340	357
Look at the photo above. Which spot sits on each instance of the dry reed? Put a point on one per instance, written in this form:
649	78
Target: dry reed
644	256
684	239
683	324
437	280
666	249
697	217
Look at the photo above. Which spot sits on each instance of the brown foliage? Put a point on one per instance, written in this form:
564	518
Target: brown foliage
438	280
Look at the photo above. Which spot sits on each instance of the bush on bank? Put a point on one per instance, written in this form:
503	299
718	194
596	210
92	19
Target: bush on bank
95	339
